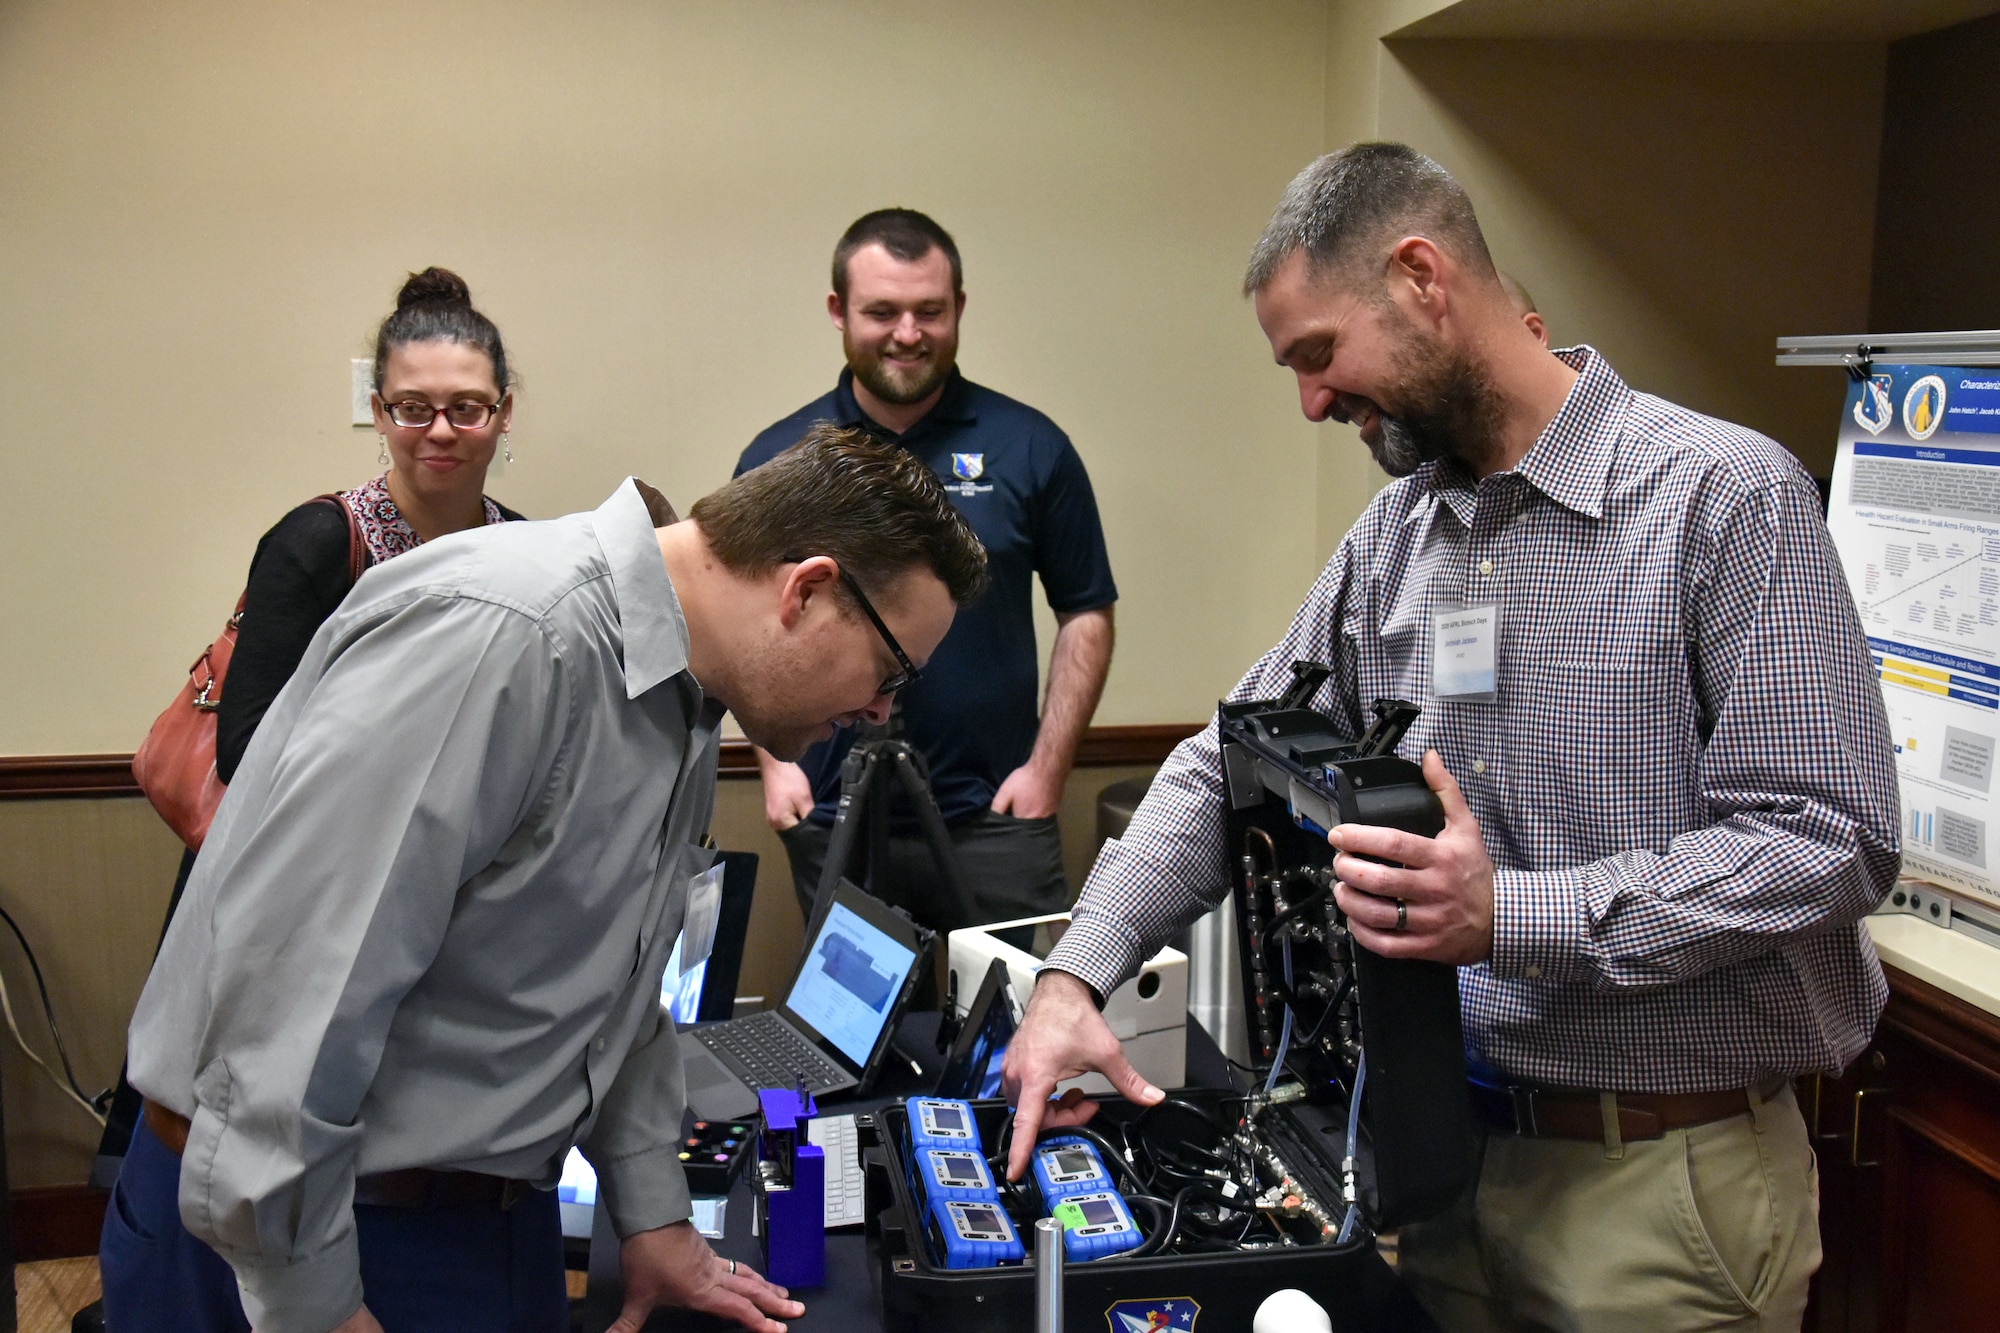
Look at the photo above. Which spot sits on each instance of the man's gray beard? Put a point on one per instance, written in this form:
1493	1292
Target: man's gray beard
1399	451
1463	414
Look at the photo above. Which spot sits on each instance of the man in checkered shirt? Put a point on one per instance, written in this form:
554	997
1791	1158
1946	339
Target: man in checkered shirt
1668	806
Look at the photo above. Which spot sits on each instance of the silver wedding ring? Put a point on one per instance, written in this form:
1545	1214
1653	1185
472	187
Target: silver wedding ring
732	1268
1402	915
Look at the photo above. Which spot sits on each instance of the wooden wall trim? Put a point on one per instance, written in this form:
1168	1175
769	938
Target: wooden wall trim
38	777
56	1222
1115	747
42	777
1960	1032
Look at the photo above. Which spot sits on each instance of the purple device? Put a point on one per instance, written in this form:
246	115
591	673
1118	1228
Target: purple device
791	1180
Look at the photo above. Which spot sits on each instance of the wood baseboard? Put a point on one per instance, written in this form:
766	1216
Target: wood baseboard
70	776
56	1222
40	777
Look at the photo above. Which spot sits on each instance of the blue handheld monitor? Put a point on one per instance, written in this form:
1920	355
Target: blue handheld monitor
954	1173
973	1235
1096	1224
936	1122
1066	1166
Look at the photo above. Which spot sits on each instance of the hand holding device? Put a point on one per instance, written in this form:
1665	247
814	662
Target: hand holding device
1436	902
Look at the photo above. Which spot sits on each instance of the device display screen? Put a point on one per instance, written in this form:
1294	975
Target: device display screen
1098	1212
981	1217
1073	1163
957	1168
976	1064
849	983
946	1119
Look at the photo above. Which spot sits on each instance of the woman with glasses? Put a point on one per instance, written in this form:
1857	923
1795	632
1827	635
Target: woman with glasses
443	401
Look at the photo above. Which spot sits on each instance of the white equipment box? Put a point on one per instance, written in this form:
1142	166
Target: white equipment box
1148	1014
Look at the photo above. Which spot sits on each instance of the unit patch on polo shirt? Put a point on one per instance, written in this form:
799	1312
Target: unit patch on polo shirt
968	468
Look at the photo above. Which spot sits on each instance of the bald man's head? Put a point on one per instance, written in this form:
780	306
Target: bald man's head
1524	306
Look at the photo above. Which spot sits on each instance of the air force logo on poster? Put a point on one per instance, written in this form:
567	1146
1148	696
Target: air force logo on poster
1923	407
1875	409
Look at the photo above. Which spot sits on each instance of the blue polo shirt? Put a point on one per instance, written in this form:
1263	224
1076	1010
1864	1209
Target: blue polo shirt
1020	484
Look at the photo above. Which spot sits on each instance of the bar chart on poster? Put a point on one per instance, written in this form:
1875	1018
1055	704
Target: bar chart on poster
1915	515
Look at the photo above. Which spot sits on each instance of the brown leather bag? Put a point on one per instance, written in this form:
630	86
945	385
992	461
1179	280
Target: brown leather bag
176	765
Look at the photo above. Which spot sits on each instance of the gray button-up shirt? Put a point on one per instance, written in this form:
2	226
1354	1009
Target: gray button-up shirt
429	923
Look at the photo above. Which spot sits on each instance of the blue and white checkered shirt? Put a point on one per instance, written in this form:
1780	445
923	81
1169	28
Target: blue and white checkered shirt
1685	783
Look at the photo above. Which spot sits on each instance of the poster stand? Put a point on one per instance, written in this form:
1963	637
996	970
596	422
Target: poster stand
1914	512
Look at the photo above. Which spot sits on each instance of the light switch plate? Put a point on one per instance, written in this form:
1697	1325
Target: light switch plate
363	376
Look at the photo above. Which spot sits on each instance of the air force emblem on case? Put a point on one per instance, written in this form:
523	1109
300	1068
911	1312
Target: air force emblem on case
1161	1314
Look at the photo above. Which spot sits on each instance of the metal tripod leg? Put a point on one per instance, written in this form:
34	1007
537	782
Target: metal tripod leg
864	803
916	779
857	777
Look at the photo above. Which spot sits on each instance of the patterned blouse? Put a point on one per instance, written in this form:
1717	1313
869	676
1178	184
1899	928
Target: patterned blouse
382	525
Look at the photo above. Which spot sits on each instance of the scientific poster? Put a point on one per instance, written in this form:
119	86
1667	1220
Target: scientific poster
1915	514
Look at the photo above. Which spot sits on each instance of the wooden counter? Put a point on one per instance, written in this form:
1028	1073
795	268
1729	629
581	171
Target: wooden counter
1909	1146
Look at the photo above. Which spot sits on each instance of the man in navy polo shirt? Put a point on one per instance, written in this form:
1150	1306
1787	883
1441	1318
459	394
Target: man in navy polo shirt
997	765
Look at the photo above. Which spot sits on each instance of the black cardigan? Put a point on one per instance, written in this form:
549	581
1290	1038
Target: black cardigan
298	578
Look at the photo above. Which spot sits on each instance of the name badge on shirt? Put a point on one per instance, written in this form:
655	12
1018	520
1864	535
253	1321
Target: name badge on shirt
1463	643
704	906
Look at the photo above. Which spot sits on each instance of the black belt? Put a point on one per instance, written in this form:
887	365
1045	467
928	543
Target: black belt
415	1187
421	1187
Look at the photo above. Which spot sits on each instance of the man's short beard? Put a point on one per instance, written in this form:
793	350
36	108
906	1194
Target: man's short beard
872	369
1453	411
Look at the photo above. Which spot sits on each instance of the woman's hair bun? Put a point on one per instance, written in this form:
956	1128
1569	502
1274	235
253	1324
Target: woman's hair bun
436	306
434	284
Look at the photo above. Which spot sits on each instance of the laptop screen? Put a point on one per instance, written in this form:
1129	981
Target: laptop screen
849	983
681	995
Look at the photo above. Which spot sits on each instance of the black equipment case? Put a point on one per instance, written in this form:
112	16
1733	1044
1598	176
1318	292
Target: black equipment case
1289	775
1216	1292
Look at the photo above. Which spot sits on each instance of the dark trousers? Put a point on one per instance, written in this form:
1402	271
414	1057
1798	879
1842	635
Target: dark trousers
454	1270
1012	867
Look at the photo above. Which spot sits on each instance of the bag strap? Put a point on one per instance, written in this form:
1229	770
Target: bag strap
357	546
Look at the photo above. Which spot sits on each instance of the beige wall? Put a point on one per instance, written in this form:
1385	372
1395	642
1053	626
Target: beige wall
88	880
208	205
1678	205
1696	202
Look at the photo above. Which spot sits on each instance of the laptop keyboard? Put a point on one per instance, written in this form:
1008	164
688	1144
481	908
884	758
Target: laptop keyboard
769	1053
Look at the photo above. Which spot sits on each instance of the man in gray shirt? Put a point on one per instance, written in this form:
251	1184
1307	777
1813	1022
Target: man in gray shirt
421	954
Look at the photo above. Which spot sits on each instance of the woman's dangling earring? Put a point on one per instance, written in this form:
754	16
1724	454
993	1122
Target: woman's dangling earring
506	449
383	457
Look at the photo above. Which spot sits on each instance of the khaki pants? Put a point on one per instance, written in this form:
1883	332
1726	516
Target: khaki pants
1713	1227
